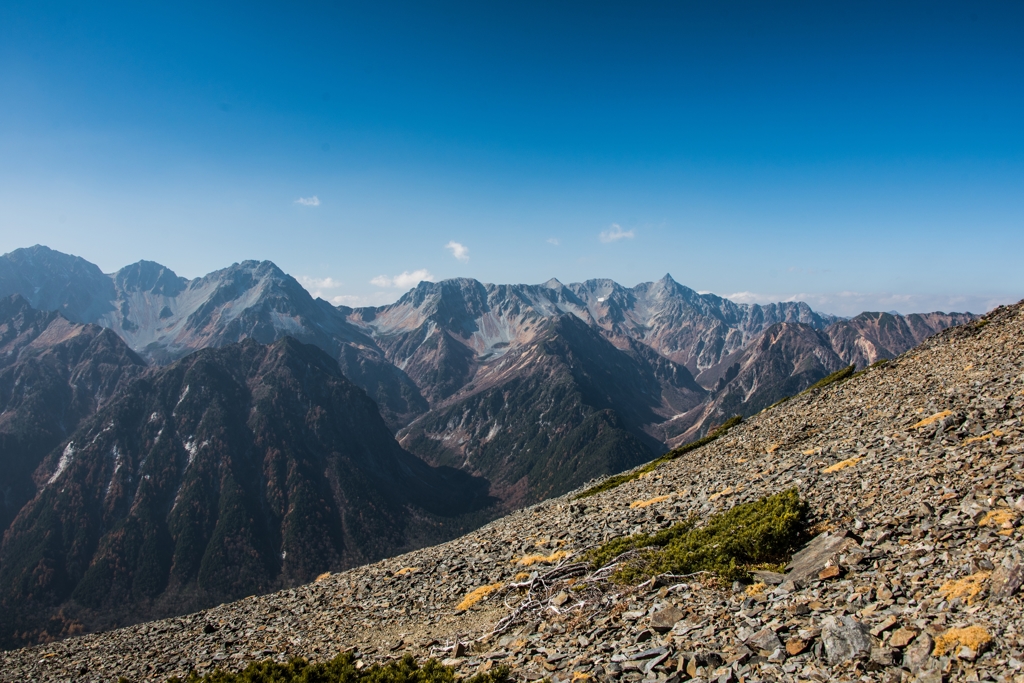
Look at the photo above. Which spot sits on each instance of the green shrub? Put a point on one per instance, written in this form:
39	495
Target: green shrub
619	479
837	376
764	532
342	669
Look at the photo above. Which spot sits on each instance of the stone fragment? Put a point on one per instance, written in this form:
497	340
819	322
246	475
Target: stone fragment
805	565
664	619
844	639
795	646
829	572
920	651
883	626
883	656
902	637
765	639
560	599
1006	582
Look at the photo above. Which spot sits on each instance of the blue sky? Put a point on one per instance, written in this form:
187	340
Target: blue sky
853	155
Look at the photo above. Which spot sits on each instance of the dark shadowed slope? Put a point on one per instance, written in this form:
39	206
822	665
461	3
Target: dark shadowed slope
53	374
230	472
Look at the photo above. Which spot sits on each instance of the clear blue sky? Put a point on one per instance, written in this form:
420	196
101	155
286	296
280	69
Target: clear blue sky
855	155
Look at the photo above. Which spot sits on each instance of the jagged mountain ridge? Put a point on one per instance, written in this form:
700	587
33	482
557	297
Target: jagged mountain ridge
230	472
164	317
562	408
440	345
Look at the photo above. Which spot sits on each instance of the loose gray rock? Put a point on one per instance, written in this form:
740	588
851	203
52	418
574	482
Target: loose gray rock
844	639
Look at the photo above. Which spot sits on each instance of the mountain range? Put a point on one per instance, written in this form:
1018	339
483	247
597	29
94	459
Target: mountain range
170	443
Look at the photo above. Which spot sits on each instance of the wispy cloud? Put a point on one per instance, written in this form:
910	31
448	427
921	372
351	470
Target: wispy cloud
553	240
615	233
459	251
320	287
403	280
308	201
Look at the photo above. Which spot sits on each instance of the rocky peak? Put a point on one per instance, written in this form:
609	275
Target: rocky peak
148	276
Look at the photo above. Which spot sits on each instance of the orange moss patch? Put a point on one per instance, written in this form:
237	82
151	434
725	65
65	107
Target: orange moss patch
967	588
522	576
645	503
1000	518
842	465
528	560
756	588
476	596
934	418
974	637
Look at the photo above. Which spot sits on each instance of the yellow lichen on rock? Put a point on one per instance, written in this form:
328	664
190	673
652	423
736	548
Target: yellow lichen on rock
974	637
724	492
849	462
645	503
476	595
528	560
967	588
934	418
1000	518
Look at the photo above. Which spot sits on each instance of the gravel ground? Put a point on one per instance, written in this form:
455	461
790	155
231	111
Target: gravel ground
914	473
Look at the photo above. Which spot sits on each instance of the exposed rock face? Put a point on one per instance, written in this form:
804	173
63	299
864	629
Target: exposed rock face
552	413
53	374
915	466
870	337
230	472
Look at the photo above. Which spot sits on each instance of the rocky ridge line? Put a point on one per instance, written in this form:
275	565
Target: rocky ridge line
914	473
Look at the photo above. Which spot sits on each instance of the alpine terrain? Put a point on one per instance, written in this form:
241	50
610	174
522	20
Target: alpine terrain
867	529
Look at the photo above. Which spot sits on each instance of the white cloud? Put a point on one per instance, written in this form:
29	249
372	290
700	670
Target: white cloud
319	287
308	201
615	233
553	240
459	251
403	280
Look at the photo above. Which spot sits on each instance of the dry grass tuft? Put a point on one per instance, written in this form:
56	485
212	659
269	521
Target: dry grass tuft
967	588
645	503
974	637
849	462
934	418
476	595
756	588
529	560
